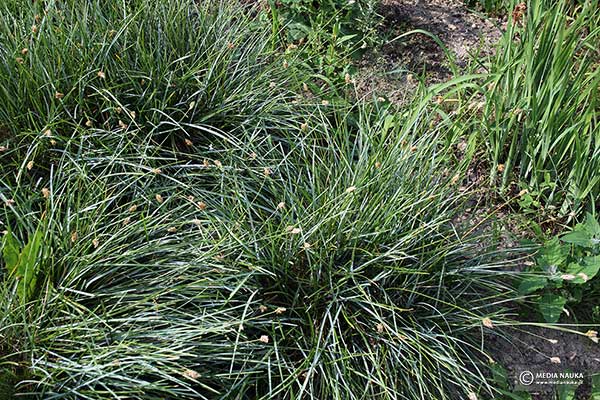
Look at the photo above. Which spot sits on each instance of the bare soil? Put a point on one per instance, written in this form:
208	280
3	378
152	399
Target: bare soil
537	349
392	70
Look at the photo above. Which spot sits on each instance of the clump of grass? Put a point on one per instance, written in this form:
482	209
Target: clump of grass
540	120
354	241
136	64
230	249
269	270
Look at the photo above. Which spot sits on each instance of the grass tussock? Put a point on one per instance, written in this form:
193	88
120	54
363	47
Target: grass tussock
183	218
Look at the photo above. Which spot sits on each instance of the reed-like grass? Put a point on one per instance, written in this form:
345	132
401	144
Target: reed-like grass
540	120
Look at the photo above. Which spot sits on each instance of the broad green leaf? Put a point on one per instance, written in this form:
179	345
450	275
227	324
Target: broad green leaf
578	238
551	306
552	255
586	234
10	252
566	392
499	375
585	272
592	225
532	283
344	39
595	387
28	266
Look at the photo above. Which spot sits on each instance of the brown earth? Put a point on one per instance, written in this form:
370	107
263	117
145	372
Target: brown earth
390	71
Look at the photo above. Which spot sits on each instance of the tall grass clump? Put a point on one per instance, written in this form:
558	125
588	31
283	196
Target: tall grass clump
540	119
322	264
206	235
140	64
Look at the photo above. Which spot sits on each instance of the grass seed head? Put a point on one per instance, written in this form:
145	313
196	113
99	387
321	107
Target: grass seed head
593	335
487	322
190	374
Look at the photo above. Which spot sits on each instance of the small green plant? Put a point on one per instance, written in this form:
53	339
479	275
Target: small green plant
501	383
331	32
563	267
22	263
595	387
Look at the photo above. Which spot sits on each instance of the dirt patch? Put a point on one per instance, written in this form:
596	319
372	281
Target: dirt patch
390	71
537	349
